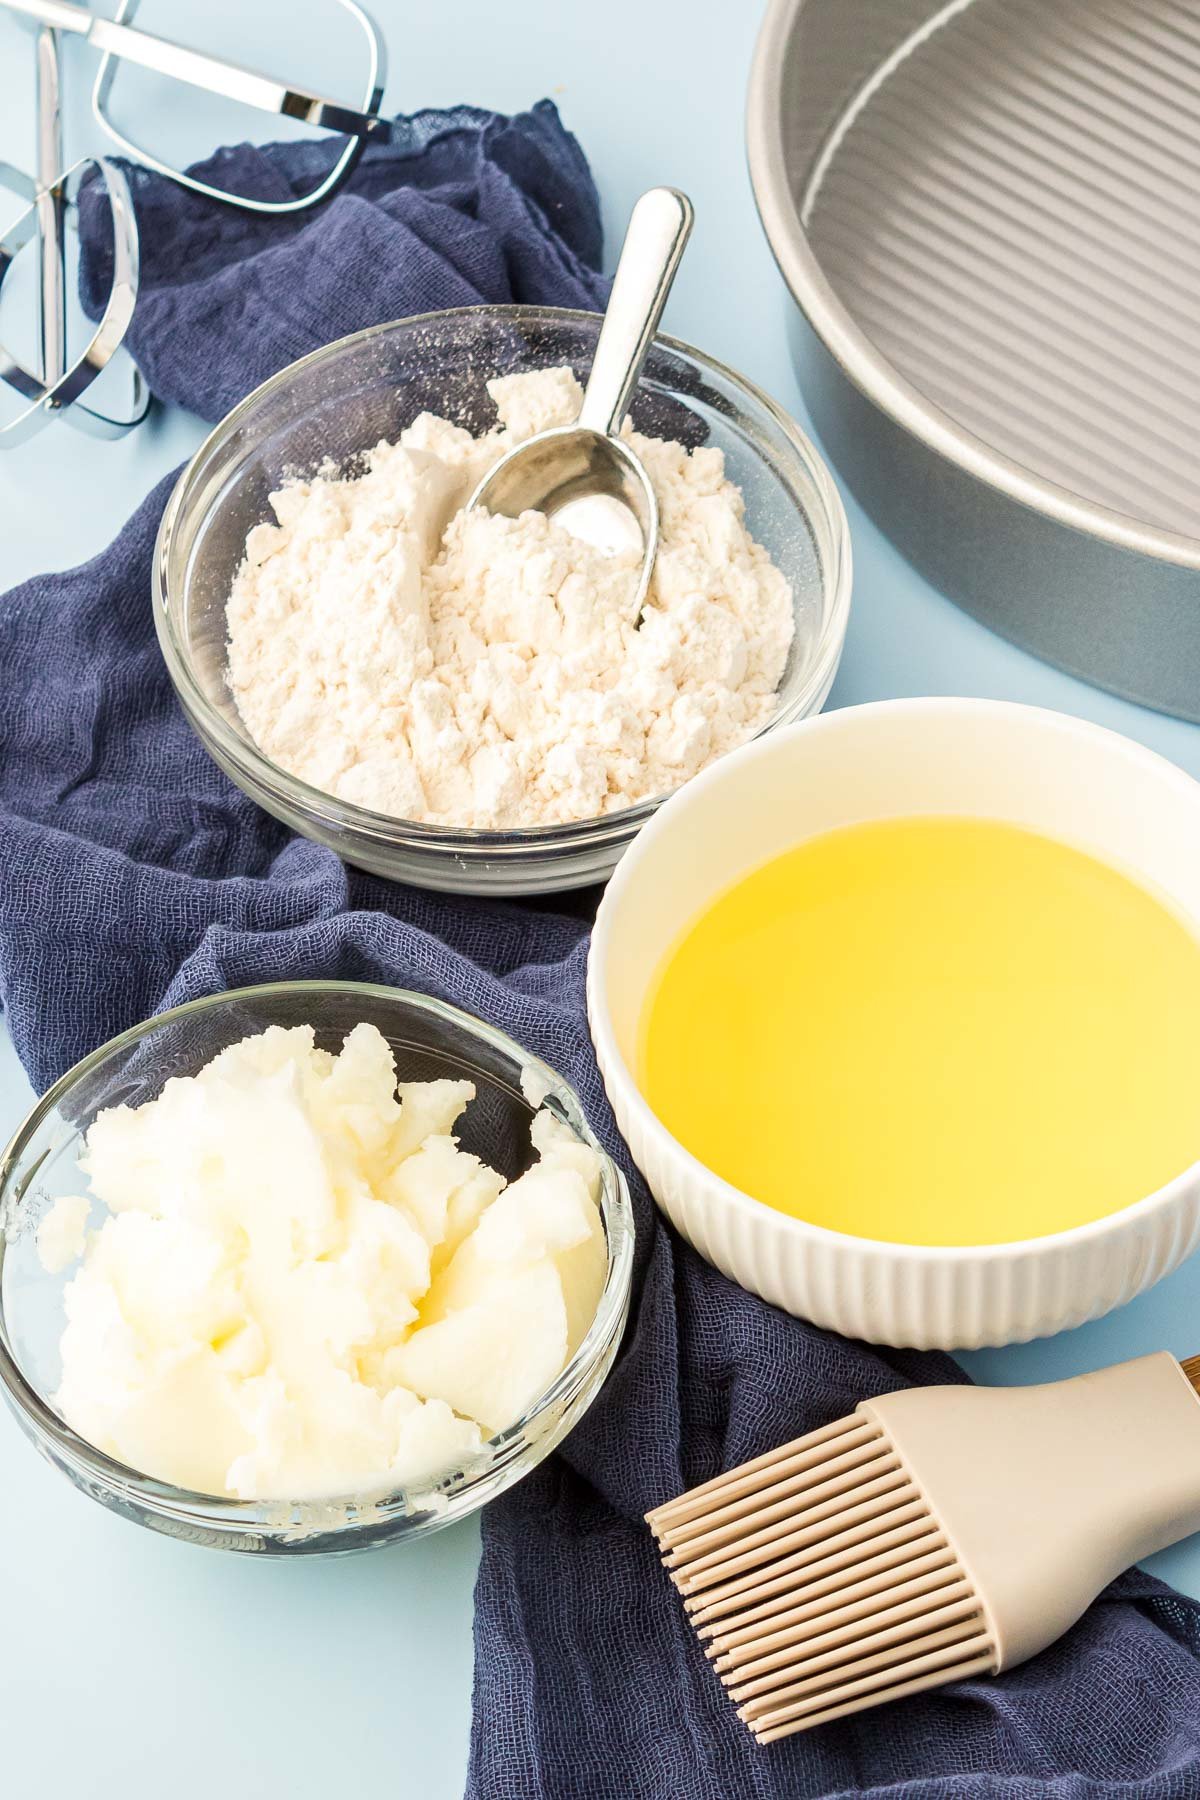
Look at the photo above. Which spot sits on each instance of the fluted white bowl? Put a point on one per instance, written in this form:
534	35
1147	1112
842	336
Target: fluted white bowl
983	759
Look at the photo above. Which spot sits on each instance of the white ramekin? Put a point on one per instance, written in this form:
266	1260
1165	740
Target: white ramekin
984	759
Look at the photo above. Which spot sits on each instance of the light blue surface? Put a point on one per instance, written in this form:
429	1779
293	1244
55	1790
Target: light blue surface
134	1664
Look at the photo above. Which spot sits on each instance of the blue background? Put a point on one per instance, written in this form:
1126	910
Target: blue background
133	1664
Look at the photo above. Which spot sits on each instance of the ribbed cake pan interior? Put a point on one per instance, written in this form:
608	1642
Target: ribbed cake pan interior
990	213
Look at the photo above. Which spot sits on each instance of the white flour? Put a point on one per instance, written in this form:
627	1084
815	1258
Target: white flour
487	672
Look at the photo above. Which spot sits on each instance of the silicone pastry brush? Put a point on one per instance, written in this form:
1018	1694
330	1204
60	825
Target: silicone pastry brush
934	1534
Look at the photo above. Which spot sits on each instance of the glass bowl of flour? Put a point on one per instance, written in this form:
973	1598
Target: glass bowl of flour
469	703
176	1285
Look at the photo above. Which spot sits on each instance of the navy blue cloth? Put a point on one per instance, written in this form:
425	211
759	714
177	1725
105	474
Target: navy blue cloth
135	876
460	207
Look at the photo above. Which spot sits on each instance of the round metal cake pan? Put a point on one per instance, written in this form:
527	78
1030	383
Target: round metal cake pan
986	212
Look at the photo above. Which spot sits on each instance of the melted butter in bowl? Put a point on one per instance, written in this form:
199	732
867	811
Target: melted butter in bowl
932	1031
896	1008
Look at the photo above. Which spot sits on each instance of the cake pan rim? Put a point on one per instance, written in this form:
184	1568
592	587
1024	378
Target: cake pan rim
860	360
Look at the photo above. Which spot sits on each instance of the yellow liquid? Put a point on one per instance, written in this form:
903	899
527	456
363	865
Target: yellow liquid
932	1031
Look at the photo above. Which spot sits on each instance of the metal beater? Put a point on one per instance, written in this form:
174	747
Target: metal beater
56	387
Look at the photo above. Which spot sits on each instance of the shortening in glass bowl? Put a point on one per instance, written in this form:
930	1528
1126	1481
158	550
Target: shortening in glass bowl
41	1167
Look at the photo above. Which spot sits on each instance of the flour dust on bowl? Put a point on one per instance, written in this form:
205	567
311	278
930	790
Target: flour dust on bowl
893	1010
985	212
461	700
248	1244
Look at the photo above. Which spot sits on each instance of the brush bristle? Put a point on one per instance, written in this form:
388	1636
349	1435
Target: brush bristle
820	1583
1191	1368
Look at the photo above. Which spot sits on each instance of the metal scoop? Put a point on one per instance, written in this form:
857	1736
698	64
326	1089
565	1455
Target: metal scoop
584	475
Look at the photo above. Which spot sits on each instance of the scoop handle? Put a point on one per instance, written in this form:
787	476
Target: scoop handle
659	226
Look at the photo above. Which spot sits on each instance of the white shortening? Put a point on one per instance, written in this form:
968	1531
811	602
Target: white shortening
303	1287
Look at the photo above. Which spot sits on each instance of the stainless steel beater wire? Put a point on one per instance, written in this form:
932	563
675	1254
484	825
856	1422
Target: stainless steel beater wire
48	169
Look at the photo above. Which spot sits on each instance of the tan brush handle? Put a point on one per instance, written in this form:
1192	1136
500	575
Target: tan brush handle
1047	1493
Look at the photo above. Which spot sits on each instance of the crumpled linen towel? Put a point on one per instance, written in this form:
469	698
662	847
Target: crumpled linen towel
135	876
460	208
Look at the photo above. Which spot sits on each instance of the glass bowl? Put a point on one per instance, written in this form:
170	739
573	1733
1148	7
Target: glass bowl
428	1040
339	402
